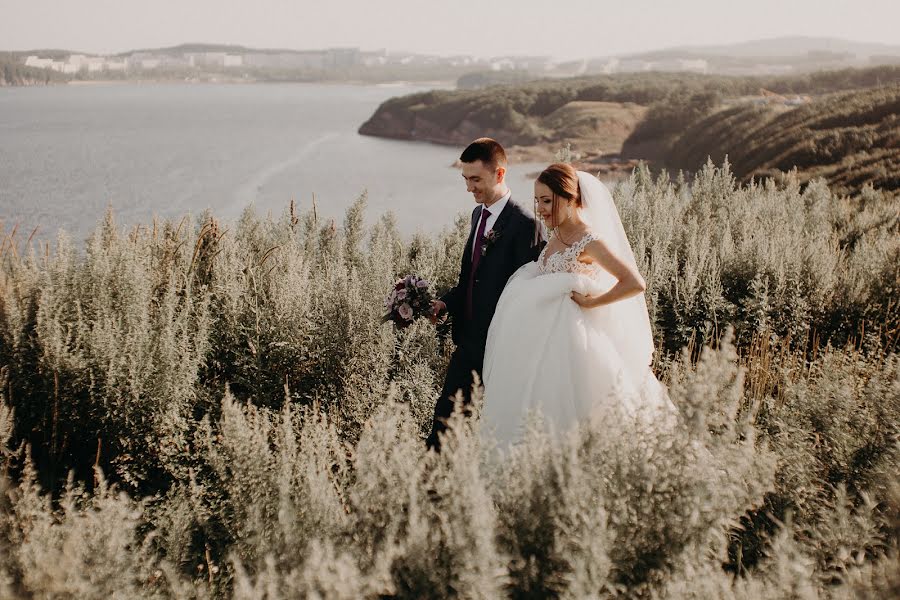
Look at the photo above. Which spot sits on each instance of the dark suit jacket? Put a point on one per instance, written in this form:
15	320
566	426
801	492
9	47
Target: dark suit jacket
513	247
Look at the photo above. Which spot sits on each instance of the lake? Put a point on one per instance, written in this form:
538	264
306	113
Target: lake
165	150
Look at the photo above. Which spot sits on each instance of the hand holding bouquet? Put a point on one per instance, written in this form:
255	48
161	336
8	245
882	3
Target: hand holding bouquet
410	299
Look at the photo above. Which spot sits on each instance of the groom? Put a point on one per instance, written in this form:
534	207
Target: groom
501	239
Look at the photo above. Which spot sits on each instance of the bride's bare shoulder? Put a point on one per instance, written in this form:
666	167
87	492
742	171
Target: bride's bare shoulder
596	249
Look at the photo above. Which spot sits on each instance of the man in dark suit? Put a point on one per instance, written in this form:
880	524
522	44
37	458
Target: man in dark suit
502	238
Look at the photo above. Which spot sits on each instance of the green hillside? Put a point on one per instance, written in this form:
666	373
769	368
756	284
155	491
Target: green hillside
676	120
446	116
849	139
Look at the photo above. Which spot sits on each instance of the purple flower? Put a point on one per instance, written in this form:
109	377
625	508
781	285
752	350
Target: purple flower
409	299
489	239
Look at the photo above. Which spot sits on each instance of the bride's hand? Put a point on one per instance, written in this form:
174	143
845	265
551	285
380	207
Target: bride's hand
583	300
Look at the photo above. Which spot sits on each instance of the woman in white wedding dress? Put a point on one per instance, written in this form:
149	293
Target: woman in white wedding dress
571	336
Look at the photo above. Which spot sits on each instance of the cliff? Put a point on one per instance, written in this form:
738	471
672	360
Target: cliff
840	125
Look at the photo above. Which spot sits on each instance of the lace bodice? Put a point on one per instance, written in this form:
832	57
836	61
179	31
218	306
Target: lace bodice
566	261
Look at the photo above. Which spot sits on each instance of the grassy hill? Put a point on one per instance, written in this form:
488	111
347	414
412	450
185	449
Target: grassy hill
793	46
515	111
665	118
849	139
601	126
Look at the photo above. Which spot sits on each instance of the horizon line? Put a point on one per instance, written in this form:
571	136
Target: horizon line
683	47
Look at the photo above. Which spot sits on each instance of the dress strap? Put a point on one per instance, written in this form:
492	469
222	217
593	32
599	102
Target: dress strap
579	246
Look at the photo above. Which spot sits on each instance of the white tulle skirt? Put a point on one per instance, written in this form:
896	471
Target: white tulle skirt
547	355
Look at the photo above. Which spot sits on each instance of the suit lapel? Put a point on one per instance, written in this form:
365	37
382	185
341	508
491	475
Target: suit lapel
503	217
499	227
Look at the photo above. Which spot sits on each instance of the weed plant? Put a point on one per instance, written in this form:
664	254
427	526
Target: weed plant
202	410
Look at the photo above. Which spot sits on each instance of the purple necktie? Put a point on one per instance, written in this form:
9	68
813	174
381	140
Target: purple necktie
476	257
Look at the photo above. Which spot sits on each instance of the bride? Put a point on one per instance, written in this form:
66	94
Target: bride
571	337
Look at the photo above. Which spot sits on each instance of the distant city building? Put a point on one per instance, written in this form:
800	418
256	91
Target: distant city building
212	59
344	57
696	65
79	61
607	66
39	63
143	60
318	63
150	61
76	63
460	61
373	59
95	64
311	59
633	65
287	60
530	63
205	59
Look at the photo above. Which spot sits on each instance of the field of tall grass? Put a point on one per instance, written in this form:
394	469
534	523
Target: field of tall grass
197	409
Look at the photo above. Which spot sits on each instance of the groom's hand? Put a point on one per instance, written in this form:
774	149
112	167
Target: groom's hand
437	308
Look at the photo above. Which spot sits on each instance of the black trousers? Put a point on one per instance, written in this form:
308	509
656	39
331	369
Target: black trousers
459	377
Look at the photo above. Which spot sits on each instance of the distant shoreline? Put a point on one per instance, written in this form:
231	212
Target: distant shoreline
438	83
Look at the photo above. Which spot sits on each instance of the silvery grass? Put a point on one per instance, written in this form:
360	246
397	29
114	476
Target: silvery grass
285	508
237	383
800	264
121	349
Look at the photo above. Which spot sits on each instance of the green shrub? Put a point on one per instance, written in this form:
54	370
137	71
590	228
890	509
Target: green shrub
268	428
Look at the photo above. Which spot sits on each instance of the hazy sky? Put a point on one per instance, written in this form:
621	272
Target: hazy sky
561	28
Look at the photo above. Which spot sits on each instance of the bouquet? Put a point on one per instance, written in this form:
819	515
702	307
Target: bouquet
409	300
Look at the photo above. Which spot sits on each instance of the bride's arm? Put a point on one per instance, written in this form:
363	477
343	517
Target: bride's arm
629	281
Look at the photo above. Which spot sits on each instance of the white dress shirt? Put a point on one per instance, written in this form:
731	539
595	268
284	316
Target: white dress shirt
495	209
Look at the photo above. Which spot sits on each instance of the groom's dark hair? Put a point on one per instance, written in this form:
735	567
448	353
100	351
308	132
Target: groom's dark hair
488	151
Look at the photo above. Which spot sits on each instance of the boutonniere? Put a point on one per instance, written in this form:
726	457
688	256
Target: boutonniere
490	238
